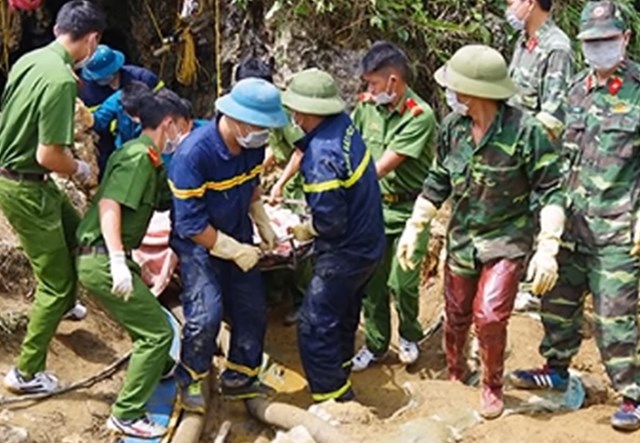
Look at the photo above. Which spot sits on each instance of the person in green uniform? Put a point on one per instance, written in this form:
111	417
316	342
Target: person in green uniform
134	185
399	130
36	126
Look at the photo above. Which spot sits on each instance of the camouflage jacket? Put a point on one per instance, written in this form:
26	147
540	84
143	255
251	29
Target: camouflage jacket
602	145
491	185
541	68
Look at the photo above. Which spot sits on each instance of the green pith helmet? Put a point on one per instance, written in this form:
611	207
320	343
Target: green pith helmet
314	92
601	20
477	71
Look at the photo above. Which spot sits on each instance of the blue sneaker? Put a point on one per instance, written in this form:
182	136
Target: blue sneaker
544	378
627	417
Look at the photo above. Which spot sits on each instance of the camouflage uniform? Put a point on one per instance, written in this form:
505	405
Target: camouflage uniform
491	228
602	145
541	68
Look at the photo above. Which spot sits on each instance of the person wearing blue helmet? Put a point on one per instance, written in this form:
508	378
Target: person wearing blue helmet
214	178
103	77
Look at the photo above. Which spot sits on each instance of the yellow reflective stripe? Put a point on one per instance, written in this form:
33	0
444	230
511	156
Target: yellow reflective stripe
113	127
243	369
93	108
193	374
224	185
332	395
159	86
337	183
347	363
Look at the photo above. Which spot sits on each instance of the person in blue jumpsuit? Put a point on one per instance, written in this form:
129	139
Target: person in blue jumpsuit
214	177
104	75
341	188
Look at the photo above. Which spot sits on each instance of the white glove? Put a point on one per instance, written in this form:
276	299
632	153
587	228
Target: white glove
120	275
543	267
423	213
83	170
261	219
635	250
243	255
304	231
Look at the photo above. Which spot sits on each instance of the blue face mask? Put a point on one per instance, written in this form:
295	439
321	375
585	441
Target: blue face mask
254	139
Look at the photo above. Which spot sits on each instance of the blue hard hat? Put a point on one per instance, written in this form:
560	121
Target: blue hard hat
104	63
254	101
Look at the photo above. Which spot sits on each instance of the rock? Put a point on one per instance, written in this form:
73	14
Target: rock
346	413
597	392
12	434
299	434
422	430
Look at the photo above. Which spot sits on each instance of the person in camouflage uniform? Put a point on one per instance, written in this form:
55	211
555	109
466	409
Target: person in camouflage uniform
492	158
601	144
541	66
399	129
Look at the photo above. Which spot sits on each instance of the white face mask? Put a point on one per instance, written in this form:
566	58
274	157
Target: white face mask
385	97
513	20
455	104
603	55
171	144
254	139
85	61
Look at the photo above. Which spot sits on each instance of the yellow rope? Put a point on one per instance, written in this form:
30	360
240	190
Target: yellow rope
6	34
187	68
154	21
218	50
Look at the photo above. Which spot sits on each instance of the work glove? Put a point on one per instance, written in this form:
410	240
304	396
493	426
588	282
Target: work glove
121	277
304	231
261	219
543	267
423	213
243	255
83	170
635	250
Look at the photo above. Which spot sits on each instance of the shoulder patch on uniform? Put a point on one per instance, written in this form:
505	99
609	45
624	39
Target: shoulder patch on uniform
154	157
365	97
413	107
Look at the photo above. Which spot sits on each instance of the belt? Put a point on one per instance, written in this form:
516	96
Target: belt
23	176
97	250
400	198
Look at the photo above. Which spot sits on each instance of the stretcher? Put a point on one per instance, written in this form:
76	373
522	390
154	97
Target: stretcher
159	264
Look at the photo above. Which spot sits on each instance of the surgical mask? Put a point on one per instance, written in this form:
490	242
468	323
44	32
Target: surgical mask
254	139
455	104
171	144
385	97
513	20
82	63
603	55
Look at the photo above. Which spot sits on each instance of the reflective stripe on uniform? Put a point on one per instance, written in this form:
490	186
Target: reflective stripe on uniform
159	86
243	369
337	183
223	185
332	395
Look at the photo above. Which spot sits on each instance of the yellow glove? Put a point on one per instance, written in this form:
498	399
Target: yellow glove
635	250
304	231
261	219
423	213
543	267
245	256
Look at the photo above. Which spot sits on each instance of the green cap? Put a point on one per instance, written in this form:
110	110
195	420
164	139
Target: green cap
313	92
477	71
601	20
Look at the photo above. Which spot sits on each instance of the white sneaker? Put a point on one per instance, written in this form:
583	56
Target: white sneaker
77	313
363	359
408	352
140	427
42	382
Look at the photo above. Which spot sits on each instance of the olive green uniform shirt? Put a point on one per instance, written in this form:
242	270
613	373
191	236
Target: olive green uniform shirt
409	130
135	177
38	107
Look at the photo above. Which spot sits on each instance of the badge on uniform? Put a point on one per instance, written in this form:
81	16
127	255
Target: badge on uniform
156	161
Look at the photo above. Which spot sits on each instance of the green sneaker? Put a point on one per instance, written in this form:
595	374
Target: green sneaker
192	399
246	391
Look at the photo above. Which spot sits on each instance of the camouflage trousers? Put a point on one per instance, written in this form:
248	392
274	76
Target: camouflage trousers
611	275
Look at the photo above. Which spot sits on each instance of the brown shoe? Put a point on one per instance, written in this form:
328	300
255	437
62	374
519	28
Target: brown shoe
492	403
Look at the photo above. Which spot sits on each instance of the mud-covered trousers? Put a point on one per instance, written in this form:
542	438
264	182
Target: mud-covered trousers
486	300
45	221
611	275
328	322
212	286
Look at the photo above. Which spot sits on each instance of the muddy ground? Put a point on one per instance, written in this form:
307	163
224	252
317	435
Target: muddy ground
84	348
